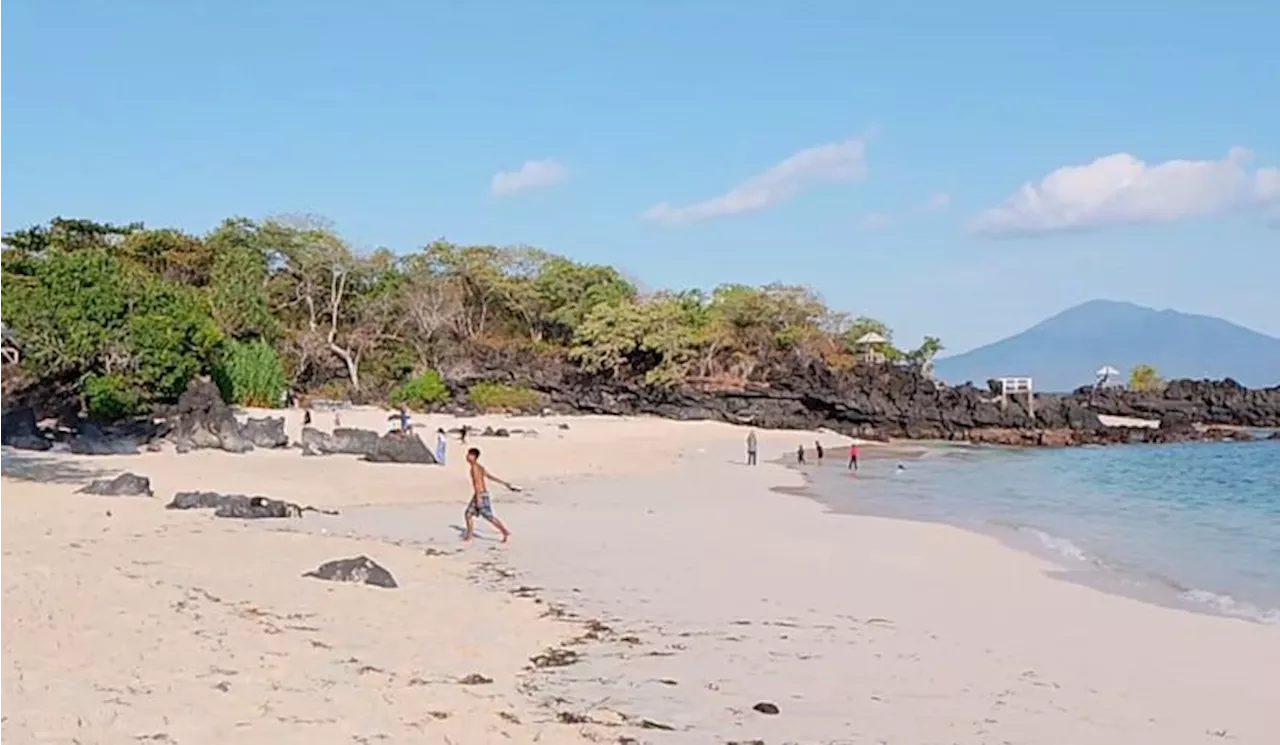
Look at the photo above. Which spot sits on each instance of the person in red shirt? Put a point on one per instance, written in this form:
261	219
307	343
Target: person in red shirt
854	452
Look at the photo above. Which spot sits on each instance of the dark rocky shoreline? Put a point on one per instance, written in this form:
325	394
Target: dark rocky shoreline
890	402
877	403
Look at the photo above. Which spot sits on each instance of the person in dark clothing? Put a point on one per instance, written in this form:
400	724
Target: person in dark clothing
817	448
800	454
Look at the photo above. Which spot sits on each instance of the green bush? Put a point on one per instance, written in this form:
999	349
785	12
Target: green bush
110	397
251	374
421	392
503	396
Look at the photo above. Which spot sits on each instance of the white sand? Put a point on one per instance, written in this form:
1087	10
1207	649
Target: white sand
124	621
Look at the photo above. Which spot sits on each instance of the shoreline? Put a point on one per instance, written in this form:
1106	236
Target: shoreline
707	636
1075	564
693	603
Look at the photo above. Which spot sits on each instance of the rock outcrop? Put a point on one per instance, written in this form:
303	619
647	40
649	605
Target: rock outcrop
201	419
265	432
19	429
395	447
888	401
124	485
358	570
90	439
342	441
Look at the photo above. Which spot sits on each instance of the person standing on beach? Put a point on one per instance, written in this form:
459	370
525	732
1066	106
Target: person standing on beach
479	506
751	448
817	448
854	452
440	445
800	454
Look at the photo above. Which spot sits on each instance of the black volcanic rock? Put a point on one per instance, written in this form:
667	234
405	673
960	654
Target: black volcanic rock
889	401
357	570
343	440
396	447
203	420
266	432
234	505
124	485
19	429
90	439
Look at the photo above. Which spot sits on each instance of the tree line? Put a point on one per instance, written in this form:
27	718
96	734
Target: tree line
130	314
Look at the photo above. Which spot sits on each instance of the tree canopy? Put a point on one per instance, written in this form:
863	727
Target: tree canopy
136	312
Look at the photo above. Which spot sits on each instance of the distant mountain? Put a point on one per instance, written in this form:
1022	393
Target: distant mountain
1061	353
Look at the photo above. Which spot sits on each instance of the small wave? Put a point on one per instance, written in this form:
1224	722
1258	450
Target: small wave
1062	547
1229	606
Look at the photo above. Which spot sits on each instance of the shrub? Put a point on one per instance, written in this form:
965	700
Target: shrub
110	397
1145	378
503	396
421	392
251	374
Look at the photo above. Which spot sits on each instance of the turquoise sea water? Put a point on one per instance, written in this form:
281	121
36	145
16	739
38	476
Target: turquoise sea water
1194	525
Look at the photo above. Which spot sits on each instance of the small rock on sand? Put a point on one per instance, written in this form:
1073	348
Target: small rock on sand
359	570
124	485
765	707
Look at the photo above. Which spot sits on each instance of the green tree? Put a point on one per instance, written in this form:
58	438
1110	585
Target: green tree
85	312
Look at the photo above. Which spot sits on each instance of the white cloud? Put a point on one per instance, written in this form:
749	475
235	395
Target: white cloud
836	162
534	174
1120	189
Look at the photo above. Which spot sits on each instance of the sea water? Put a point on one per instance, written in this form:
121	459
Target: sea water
1195	525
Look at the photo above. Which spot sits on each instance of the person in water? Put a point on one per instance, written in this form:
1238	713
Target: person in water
751	448
817	448
800	454
854	452
480	506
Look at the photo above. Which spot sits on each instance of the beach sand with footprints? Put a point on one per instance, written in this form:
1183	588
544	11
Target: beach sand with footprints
655	590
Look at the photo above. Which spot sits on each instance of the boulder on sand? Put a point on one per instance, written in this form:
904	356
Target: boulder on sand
234	505
124	485
18	428
266	432
359	570
90	439
205	421
344	440
396	447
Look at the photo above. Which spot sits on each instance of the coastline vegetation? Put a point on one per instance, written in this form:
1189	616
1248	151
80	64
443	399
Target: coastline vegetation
129	314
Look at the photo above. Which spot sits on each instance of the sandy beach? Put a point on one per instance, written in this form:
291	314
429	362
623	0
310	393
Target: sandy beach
681	587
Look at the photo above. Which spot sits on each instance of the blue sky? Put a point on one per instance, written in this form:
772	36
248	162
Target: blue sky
876	151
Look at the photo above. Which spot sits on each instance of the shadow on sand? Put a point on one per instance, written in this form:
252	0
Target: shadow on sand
47	469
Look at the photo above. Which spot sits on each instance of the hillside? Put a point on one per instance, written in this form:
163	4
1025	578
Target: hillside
1062	352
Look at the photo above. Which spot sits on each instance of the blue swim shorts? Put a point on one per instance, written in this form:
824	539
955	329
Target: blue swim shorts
479	506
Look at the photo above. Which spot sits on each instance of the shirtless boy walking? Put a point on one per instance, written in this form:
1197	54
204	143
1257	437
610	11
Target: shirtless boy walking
479	504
